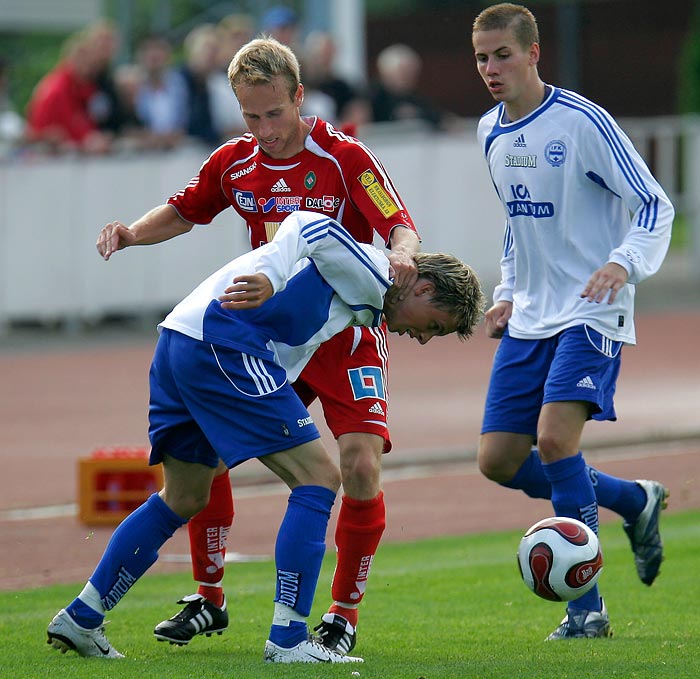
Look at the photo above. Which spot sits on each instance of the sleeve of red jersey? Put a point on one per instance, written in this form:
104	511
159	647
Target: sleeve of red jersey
203	198
373	192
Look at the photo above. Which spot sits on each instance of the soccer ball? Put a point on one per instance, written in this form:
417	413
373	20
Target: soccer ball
560	559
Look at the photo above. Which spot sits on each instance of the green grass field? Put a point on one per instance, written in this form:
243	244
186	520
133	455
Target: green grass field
438	609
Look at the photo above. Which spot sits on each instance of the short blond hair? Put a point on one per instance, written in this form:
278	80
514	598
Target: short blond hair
508	15
457	289
261	60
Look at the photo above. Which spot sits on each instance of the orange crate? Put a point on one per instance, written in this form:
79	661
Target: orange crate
112	482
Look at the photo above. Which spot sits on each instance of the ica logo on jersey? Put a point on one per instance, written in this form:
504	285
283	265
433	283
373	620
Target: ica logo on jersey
522	204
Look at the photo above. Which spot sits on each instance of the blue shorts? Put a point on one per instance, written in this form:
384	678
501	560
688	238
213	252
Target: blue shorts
578	364
209	402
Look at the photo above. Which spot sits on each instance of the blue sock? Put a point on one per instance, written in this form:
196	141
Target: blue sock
299	551
530	478
132	550
626	498
573	496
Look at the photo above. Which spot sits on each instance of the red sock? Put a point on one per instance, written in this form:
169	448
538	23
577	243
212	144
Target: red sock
357	535
208	531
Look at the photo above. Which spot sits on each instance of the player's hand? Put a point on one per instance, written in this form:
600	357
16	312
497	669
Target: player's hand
115	236
496	319
247	292
606	282
405	273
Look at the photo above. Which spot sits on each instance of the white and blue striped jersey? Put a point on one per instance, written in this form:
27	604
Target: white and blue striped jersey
323	279
576	195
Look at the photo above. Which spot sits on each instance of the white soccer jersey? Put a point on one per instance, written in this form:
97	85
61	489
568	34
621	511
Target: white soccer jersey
324	281
577	195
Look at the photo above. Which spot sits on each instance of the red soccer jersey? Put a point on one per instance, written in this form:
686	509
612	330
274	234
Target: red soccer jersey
334	174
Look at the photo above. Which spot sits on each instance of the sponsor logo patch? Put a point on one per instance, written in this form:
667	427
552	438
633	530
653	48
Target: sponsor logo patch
243	172
245	200
280	203
529	160
377	193
367	382
324	204
280	186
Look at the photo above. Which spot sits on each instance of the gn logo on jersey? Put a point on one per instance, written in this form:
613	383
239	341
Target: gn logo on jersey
367	382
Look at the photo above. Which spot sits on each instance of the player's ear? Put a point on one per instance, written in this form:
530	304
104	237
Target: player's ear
423	286
534	54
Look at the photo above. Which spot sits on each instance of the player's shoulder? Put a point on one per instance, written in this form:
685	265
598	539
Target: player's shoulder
235	151
578	107
242	146
336	142
488	122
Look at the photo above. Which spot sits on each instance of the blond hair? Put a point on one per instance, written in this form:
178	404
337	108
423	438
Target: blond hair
261	60
457	289
507	15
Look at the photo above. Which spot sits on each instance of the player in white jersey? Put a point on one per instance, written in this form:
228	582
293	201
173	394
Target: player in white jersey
287	163
220	389
585	222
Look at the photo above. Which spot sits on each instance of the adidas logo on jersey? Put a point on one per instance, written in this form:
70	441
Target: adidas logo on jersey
280	186
586	383
520	142
377	408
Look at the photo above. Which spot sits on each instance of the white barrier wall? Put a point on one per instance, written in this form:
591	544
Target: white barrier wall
52	210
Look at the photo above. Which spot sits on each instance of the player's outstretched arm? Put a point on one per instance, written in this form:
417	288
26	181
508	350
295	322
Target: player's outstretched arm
160	224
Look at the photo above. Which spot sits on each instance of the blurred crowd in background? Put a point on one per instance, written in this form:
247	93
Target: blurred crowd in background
171	95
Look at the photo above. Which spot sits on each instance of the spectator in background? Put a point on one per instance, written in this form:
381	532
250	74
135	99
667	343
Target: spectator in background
395	95
201	61
282	23
349	108
128	79
161	99
234	31
59	111
107	109
11	122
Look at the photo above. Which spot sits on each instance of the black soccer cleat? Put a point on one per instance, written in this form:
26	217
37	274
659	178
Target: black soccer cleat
199	616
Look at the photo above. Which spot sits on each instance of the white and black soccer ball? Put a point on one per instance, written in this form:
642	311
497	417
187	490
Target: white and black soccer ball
560	558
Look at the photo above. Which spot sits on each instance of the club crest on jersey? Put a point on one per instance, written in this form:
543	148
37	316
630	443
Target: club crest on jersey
310	180
378	194
367	382
245	200
555	153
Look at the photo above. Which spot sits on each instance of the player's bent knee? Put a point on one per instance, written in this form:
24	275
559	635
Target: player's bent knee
361	474
186	504
496	468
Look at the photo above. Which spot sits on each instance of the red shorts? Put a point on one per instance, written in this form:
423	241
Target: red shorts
348	374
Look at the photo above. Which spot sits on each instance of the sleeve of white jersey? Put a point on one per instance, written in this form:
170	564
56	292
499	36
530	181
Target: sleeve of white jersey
504	290
646	242
358	273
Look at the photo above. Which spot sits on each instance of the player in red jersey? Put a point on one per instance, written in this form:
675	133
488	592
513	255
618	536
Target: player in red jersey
288	163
